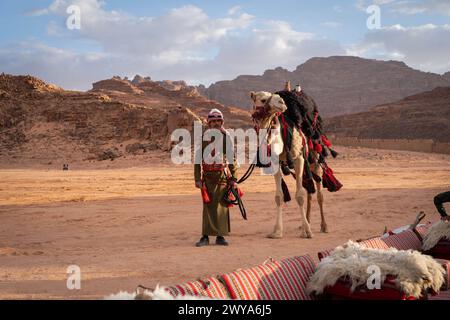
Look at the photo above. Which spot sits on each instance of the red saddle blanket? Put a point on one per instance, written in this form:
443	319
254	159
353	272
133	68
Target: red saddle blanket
441	250
388	291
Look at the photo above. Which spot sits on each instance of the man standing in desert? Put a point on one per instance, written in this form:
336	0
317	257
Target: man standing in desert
216	177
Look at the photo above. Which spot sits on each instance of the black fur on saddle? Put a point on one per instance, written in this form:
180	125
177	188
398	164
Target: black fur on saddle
299	108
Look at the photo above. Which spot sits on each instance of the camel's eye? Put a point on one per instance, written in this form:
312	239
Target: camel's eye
264	101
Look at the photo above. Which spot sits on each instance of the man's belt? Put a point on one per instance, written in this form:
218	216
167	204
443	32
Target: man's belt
213	167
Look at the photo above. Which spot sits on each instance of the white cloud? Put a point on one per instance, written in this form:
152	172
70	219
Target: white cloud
424	47
184	43
409	7
234	10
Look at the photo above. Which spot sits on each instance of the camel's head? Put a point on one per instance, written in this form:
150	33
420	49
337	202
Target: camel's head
272	103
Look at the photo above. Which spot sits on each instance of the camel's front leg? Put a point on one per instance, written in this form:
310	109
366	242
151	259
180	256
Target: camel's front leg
323	224
300	197
278	230
308	208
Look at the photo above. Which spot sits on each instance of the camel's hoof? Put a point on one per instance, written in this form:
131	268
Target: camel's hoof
275	235
324	228
306	235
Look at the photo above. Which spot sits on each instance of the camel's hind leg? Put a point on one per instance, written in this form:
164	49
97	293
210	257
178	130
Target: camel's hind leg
308	208
278	230
323	224
300	197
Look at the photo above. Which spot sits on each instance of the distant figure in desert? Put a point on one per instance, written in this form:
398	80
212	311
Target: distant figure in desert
214	180
439	201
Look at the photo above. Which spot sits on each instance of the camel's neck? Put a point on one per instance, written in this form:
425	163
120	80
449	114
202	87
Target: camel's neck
266	123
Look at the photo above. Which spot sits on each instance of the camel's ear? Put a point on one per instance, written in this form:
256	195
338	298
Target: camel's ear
253	95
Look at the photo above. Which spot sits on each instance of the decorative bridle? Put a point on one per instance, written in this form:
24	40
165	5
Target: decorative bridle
261	113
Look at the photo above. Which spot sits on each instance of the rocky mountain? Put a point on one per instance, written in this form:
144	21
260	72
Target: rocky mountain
421	116
447	76
339	84
116	118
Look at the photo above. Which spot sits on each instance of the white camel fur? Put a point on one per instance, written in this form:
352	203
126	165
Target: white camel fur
159	293
440	230
274	105
415	272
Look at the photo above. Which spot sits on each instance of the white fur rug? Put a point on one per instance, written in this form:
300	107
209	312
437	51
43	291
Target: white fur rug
415	272
438	231
158	294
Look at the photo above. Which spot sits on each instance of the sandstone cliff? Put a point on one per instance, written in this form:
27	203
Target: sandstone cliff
340	84
43	122
421	116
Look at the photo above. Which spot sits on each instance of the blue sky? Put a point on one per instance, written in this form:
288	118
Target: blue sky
206	41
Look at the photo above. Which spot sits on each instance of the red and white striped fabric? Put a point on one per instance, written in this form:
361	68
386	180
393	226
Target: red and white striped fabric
374	243
423	229
211	288
404	241
273	280
324	254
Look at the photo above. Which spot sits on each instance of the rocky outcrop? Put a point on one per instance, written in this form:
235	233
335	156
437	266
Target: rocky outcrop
340	84
447	75
16	85
115	119
116	84
421	116
77	125
137	80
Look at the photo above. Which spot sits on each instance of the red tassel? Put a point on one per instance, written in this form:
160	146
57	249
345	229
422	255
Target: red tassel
310	144
326	142
318	148
205	195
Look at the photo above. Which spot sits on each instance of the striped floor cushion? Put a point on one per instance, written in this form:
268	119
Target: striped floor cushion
273	280
211	288
423	229
374	243
404	241
325	253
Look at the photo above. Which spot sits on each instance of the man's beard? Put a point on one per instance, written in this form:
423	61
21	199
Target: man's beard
217	126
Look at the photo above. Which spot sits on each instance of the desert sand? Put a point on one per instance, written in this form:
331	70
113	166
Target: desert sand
135	221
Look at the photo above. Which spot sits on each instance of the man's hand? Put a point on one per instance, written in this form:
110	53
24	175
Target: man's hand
198	184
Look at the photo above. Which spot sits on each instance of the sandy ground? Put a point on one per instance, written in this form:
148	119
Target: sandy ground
132	222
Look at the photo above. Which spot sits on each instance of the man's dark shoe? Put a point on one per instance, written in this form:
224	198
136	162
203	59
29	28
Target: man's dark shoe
220	241
204	241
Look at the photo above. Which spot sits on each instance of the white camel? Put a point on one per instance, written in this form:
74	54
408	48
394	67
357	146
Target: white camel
269	105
